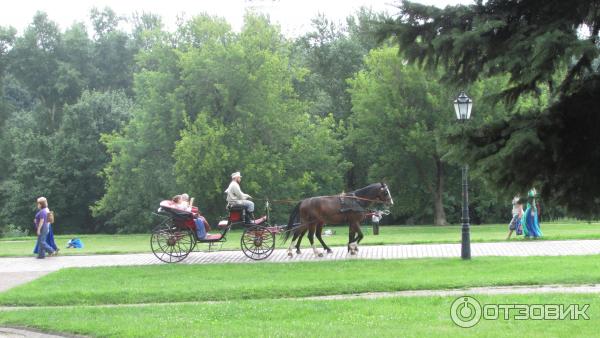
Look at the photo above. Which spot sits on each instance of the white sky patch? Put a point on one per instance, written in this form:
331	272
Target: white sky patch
294	16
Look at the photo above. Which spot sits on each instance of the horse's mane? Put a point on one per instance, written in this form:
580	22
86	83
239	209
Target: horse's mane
368	188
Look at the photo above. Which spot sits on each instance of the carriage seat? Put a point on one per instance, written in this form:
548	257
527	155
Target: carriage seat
238	213
235	207
213	237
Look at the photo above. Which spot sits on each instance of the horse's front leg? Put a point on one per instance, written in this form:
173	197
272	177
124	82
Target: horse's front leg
351	244
319	233
355	236
359	236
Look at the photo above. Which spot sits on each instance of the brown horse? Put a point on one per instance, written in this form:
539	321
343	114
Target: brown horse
349	208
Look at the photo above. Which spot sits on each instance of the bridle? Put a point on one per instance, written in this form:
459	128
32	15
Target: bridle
379	199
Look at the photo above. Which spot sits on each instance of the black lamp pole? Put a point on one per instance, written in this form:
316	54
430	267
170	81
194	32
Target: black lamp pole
462	106
465	249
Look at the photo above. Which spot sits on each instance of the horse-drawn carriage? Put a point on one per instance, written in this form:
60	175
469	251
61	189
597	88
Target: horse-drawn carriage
176	236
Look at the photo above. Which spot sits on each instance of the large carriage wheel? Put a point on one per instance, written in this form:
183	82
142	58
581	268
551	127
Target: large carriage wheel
171	244
257	242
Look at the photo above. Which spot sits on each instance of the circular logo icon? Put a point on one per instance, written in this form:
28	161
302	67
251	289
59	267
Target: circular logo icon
465	311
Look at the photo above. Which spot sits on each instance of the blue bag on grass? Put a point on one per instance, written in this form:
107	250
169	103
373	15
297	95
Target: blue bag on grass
75	243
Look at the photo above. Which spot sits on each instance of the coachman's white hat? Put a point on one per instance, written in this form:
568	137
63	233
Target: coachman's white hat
236	174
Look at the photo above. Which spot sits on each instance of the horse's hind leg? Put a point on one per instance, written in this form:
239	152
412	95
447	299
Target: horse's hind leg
319	232
311	239
300	241
290	254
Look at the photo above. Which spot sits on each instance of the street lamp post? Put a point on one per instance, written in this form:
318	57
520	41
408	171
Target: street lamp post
462	106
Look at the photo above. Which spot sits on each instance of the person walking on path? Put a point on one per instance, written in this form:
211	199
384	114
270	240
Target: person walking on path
531	225
41	225
517	213
375	219
49	240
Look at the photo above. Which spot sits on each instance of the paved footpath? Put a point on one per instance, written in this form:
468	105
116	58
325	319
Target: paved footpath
18	270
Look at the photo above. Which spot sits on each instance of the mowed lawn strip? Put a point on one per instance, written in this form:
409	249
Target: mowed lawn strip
389	317
136	243
181	283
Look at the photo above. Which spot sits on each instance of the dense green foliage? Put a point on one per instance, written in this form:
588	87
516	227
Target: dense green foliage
108	123
547	49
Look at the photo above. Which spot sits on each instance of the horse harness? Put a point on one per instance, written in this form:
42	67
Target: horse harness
349	203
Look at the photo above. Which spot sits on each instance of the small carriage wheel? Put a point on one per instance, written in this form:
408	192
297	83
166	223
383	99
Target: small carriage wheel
171	244
257	242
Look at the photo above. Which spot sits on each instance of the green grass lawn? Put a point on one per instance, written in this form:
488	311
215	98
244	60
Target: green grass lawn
389	317
180	283
93	244
105	244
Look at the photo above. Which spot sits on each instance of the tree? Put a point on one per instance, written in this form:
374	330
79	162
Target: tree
399	122
35	63
113	52
7	37
542	46
140	171
77	156
331	54
252	120
29	156
217	103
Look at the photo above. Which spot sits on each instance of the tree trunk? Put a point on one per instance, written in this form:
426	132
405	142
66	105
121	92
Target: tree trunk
439	215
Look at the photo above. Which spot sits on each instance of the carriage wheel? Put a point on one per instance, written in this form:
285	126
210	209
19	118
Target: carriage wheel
257	242
171	244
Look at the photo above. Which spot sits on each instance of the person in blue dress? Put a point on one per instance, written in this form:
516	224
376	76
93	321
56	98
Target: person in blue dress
49	240
530	221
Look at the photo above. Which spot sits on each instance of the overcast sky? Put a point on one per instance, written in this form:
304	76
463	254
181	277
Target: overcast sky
293	15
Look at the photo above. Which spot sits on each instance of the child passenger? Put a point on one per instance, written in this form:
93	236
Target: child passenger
201	222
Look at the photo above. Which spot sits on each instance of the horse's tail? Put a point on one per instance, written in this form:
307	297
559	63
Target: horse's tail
291	223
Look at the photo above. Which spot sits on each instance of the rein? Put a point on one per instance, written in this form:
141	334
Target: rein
290	201
361	198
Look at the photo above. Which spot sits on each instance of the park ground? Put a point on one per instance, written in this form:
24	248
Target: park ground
139	243
279	299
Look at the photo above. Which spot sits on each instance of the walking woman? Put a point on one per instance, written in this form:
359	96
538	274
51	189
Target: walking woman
41	227
530	222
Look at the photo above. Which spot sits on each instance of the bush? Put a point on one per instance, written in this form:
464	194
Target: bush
12	230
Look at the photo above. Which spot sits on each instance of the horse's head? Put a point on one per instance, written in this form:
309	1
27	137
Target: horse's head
384	194
376	192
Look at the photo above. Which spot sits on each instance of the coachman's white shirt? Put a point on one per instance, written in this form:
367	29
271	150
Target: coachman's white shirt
234	192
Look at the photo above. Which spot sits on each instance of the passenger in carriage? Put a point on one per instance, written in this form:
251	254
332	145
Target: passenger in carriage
201	222
185	202
235	196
